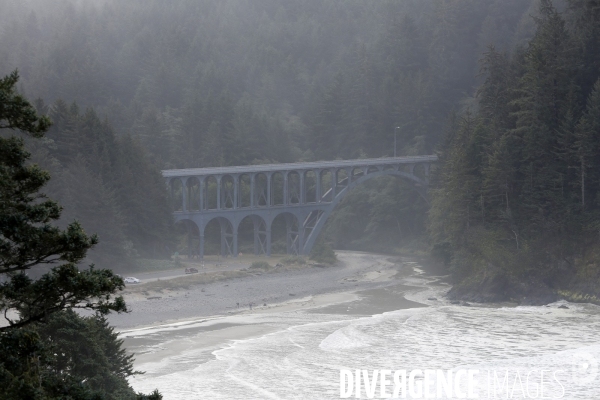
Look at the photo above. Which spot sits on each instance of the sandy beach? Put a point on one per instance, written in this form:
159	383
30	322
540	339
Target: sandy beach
206	317
273	291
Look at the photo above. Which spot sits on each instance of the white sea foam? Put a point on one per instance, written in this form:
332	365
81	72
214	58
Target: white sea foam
302	358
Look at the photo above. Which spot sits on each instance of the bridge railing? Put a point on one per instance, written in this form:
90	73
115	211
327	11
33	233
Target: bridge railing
204	189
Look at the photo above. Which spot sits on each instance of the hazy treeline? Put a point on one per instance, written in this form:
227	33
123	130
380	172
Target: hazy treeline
518	195
208	83
106	182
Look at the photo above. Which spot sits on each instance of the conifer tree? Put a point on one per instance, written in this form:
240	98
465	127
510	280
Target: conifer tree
27	237
28	240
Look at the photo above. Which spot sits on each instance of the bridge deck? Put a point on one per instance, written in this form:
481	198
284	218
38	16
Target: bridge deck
296	166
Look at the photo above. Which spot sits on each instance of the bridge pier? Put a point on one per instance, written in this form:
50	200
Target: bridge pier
235	244
252	195
223	241
333	183
201	246
260	235
300	236
293	244
268	201
218	192
190	241
285	188
229	238
318	186
201	183
256	251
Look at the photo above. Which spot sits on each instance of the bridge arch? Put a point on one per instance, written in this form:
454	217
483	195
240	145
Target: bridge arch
319	220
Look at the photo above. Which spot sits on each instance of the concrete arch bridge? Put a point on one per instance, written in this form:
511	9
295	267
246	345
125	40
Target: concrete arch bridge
304	194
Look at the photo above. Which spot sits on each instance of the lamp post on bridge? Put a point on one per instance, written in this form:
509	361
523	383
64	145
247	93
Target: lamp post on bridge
395	132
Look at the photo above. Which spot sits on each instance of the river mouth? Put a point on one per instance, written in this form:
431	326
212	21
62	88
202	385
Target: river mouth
298	350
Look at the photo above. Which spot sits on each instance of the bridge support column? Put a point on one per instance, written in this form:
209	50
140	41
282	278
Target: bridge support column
302	195
292	237
223	241
201	247
285	188
236	187
171	193
333	183
218	192
190	248
184	193
255	239
235	243
268	242
229	239
318	188
252	194
201	184
268	199
260	235
300	240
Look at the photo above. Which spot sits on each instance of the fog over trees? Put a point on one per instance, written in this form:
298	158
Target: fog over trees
516	203
139	86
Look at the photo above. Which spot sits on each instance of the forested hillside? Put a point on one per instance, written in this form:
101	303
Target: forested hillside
106	182
516	209
208	83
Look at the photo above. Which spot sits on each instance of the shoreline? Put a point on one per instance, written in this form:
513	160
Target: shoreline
224	296
153	343
378	290
174	354
199	338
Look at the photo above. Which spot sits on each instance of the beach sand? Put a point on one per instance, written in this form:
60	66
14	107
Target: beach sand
355	271
205	318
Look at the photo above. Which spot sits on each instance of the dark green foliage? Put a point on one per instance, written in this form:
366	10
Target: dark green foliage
260	264
107	183
16	113
66	357
28	239
48	352
289	260
88	350
323	253
518	185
